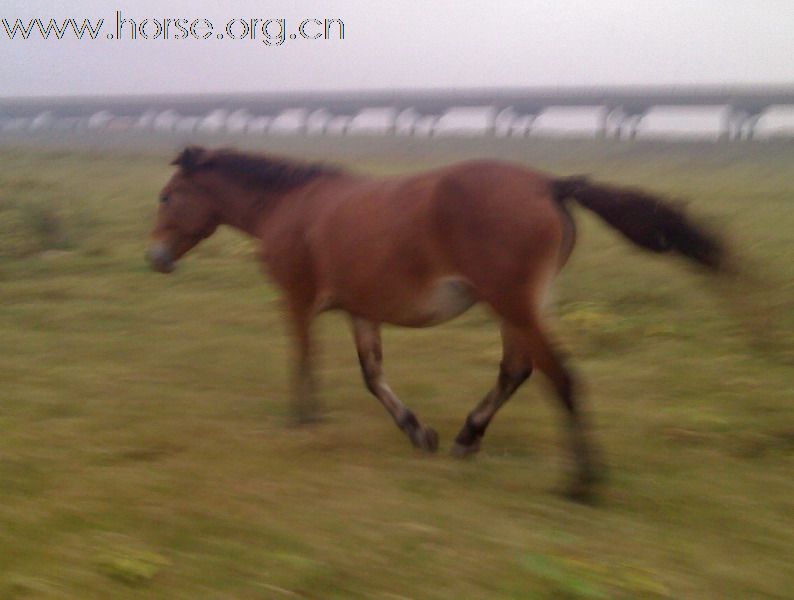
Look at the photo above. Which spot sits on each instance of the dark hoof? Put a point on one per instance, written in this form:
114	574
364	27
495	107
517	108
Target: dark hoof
582	492
584	487
462	450
425	439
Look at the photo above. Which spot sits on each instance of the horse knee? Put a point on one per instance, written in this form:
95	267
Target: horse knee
371	372
511	377
371	380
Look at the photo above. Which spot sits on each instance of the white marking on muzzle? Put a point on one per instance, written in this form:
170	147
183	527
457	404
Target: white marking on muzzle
160	257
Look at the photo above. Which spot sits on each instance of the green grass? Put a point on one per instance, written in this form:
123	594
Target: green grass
144	446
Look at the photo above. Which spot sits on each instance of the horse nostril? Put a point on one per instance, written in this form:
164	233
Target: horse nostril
160	258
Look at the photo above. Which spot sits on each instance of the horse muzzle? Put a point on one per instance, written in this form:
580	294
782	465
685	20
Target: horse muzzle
160	258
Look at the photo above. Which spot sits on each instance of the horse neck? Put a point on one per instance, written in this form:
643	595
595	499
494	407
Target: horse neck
246	208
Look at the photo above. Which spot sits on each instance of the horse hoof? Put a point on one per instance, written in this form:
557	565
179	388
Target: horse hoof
426	439
583	489
431	439
582	494
462	451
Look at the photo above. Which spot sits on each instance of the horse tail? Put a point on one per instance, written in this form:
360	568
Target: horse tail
648	221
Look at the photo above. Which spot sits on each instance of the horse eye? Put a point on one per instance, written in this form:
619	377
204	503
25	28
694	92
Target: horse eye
164	199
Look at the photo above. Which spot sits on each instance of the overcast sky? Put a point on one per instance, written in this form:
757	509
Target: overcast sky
409	43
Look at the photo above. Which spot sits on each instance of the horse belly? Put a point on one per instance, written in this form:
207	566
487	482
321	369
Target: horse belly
446	299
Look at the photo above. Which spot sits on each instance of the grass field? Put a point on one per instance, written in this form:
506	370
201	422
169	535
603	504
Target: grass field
144	446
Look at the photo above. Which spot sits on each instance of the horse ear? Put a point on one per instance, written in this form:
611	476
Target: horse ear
191	158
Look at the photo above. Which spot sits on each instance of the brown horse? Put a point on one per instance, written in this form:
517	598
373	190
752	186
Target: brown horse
415	251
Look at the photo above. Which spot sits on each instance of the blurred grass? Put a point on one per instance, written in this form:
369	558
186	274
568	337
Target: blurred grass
143	445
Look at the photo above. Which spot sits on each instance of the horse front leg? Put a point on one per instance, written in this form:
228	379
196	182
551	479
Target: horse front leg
306	408
370	356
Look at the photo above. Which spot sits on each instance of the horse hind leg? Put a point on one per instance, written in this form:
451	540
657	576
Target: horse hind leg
521	310
370	355
547	359
514	370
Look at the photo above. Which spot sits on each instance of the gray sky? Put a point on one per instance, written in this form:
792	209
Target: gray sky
410	43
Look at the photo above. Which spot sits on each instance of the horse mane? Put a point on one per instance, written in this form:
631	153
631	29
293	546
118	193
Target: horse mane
257	170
